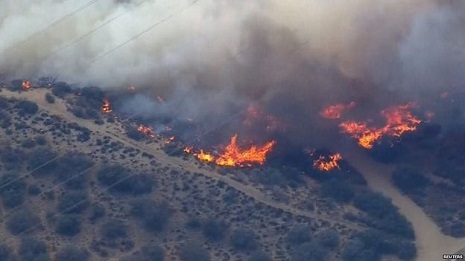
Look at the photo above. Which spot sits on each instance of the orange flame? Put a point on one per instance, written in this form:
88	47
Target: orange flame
169	140
26	85
106	106
398	121
328	163
188	150
204	156
145	130
335	111
233	156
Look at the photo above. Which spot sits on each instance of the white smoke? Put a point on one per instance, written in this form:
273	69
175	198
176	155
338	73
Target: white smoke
295	53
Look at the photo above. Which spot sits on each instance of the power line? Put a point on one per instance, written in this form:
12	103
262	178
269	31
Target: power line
76	40
143	32
56	22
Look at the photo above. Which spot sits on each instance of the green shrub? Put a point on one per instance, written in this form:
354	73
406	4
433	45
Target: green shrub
73	202
72	253
193	251
299	234
243	240
33	250
68	225
22	221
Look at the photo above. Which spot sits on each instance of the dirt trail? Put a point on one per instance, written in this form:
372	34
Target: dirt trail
430	241
59	109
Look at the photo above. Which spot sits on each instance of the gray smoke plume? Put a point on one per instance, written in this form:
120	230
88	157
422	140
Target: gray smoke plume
208	58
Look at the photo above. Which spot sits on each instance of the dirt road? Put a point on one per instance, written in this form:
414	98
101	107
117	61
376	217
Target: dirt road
430	241
58	108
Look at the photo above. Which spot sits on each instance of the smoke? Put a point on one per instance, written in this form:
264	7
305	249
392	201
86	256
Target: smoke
211	58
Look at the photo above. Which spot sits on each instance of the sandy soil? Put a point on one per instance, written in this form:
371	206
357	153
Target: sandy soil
59	108
430	241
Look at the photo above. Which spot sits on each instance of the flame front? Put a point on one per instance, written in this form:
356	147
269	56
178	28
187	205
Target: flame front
106	106
26	85
328	163
204	156
398	121
235	156
335	111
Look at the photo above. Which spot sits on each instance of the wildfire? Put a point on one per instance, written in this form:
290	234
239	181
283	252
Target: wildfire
26	85
328	163
169	140
106	106
398	121
235	156
145	130
204	156
335	111
188	150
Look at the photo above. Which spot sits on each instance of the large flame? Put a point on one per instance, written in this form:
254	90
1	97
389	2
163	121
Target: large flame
328	163
399	120
235	156
204	156
336	111
106	106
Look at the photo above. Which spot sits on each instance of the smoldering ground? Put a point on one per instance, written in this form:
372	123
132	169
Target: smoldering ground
210	59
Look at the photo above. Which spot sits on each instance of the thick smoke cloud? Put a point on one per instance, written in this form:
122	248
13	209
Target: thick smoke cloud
213	57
